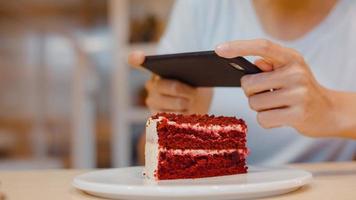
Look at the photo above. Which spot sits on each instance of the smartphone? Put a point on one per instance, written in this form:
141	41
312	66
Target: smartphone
201	69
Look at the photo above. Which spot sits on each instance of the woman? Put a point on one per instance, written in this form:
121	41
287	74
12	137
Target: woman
308	55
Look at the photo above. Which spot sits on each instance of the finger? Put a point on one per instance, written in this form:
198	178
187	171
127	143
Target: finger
264	65
170	88
271	100
174	88
256	83
166	103
258	47
151	83
275	118
136	58
155	77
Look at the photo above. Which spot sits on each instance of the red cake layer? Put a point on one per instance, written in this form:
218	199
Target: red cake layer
172	137
172	166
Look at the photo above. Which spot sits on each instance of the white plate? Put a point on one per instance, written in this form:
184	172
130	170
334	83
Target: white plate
129	183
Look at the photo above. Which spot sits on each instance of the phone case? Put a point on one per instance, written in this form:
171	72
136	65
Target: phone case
201	69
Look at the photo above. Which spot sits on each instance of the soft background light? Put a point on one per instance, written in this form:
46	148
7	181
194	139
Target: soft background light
62	63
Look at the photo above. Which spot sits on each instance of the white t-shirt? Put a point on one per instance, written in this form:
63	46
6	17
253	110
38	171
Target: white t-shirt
329	49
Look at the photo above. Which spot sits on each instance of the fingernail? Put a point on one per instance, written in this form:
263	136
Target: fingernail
223	47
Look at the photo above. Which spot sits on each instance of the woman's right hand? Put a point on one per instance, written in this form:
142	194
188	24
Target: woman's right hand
166	95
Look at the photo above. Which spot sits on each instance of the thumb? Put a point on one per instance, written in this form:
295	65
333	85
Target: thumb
136	58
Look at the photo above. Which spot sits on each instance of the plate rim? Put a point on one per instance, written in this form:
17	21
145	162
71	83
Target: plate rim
150	190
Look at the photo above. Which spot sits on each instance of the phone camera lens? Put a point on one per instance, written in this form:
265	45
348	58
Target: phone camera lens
236	66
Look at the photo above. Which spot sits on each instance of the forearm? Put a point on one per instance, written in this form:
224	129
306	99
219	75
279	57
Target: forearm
201	102
344	109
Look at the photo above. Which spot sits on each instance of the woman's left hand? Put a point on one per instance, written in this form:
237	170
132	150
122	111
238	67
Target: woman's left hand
286	93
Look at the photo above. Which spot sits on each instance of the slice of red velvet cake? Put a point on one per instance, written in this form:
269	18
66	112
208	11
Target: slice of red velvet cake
194	146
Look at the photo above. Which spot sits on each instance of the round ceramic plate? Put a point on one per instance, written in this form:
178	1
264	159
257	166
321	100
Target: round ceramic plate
129	183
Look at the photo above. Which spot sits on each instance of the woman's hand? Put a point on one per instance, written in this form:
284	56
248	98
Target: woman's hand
173	96
286	93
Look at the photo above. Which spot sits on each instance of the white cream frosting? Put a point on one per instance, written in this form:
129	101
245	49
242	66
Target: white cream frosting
151	149
212	128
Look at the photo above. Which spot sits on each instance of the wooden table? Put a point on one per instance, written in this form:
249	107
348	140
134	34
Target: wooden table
331	181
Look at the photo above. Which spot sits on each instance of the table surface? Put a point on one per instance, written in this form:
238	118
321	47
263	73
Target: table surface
331	181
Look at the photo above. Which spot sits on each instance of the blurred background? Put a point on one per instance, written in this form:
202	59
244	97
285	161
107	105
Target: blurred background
68	98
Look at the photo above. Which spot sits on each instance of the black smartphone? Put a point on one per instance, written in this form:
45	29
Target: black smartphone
201	69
